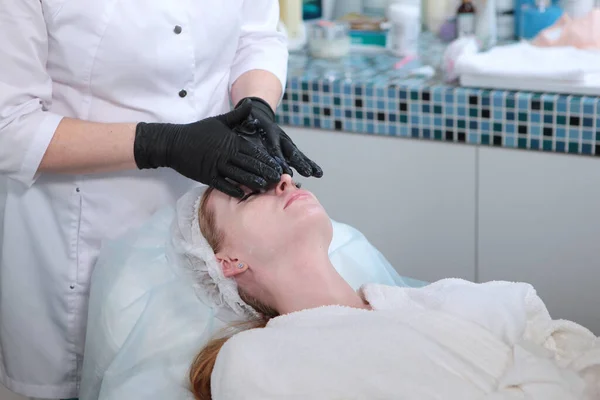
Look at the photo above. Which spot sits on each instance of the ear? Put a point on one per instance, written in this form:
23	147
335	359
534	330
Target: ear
231	267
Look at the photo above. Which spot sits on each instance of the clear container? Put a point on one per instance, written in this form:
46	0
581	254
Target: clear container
405	19
328	39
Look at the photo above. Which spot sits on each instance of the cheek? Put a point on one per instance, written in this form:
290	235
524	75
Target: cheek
255	228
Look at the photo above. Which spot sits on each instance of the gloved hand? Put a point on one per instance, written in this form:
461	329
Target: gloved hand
278	143
208	151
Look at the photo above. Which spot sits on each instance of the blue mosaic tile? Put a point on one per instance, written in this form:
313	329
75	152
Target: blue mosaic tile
524	104
573	133
485	101
573	147
365	94
561	105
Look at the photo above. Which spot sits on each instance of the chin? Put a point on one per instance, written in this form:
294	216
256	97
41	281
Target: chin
312	222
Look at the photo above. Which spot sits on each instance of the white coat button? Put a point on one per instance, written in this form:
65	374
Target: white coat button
177	29
182	93
77	190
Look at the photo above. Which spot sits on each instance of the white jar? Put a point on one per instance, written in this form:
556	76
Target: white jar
329	39
436	12
405	20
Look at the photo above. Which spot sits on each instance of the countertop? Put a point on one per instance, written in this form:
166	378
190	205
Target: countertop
365	93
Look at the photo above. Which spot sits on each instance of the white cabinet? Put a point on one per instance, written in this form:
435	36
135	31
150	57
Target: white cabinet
539	222
414	200
438	210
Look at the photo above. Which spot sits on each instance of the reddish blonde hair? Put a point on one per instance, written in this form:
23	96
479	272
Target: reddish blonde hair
204	363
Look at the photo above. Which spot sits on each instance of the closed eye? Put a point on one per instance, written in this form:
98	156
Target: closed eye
250	194
247	196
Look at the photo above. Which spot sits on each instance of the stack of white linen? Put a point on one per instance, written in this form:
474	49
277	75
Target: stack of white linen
523	66
450	340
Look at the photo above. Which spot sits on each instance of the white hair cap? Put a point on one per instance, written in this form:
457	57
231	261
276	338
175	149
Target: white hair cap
191	252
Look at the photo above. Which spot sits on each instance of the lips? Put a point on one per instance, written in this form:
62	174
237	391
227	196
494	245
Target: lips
300	194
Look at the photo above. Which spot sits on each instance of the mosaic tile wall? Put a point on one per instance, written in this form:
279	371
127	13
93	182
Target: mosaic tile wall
556	123
367	94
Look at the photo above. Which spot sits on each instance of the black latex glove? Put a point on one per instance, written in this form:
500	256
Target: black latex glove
208	151
278	143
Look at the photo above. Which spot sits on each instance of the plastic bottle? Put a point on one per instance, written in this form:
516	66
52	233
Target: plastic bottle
291	23
465	19
486	24
436	13
505	14
405	19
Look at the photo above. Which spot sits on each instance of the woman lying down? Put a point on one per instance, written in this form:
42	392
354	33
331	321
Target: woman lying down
311	336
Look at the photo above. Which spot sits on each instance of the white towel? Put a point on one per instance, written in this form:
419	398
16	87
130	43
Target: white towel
525	61
450	340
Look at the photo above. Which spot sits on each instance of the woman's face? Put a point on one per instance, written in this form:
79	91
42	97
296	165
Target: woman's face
263	226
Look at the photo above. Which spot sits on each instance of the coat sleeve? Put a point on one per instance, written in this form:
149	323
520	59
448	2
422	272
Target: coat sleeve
26	125
260	45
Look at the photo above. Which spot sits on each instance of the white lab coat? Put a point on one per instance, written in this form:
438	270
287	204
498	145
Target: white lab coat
106	61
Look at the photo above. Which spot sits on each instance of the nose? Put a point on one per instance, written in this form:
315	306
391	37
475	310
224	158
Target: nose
285	184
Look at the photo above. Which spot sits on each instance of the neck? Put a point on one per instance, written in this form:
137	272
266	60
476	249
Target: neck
307	281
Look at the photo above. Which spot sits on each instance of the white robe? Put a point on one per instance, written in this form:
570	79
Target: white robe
450	340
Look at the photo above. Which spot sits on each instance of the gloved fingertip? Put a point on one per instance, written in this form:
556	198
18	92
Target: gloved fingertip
304	169
260	182
239	193
287	170
317	171
244	103
274	176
